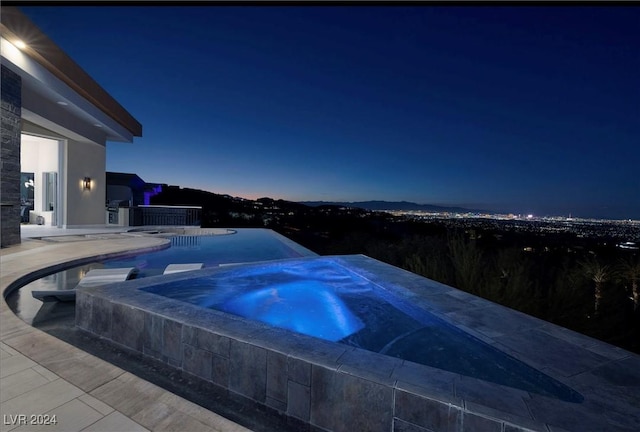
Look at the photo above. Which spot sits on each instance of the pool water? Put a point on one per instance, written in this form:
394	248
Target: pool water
245	245
324	299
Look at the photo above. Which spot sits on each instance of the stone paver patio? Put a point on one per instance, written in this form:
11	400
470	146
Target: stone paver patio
41	375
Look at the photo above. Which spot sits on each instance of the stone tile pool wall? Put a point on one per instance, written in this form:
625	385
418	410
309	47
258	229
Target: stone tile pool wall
329	386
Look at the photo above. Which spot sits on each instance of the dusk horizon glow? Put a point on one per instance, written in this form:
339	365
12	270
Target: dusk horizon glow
519	109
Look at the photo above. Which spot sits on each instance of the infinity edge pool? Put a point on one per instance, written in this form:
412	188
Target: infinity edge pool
322	383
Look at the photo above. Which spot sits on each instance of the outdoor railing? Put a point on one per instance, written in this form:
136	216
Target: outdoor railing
165	215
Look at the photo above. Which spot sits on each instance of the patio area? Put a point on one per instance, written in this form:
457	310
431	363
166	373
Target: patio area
41	375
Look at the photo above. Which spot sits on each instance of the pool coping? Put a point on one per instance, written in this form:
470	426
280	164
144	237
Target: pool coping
608	377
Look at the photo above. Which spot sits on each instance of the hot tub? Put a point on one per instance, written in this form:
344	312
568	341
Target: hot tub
337	342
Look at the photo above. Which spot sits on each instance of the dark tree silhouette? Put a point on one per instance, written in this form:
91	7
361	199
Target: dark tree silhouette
628	271
599	274
467	262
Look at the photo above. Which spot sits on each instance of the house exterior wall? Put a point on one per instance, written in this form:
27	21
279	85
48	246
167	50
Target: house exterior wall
80	208
45	93
83	207
10	157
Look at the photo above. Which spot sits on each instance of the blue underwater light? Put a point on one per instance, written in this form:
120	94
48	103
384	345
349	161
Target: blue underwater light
307	307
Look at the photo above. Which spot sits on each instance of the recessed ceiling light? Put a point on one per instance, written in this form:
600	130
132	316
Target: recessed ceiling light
63	103
20	44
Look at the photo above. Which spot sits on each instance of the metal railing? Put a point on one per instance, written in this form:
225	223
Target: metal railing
165	215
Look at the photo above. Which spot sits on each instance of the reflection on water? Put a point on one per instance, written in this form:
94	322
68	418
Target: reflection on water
323	299
297	306
26	307
184	240
245	245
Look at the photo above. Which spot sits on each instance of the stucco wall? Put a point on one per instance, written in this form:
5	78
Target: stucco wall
84	207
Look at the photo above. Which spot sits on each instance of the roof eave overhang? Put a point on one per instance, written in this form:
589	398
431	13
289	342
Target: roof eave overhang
16	26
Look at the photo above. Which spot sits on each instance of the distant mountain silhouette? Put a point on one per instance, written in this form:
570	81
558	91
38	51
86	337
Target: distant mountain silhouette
175	195
394	205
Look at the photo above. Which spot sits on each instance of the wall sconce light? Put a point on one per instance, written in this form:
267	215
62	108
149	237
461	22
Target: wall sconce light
87	183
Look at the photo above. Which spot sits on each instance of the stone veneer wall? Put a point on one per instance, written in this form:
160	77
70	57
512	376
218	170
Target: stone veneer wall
329	386
10	157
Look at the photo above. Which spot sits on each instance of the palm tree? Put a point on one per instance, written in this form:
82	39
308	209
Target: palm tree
629	270
599	274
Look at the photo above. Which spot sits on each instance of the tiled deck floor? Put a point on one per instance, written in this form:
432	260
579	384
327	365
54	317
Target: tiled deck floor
40	374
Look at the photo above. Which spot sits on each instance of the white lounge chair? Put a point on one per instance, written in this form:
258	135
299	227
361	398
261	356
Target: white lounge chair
177	268
94	277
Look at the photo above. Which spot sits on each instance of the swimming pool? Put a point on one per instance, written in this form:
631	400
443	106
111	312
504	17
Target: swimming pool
339	342
324	299
242	245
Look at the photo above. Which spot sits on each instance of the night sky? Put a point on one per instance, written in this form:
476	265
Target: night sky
514	109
